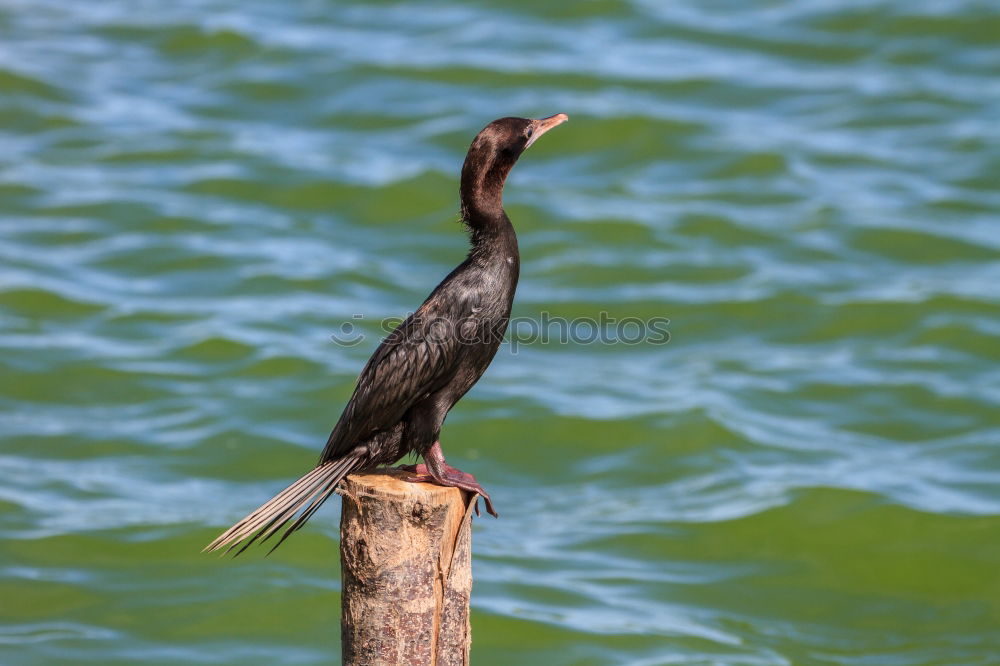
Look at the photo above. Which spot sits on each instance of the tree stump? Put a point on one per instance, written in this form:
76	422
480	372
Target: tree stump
406	567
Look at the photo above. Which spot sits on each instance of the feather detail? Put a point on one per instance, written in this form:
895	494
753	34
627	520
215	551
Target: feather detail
305	495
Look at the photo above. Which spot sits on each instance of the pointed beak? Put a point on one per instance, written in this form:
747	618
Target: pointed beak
543	125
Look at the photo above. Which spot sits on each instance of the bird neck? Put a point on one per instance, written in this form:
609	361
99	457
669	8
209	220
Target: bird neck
488	232
489	227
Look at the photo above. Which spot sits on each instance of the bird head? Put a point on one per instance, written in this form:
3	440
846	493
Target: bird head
493	154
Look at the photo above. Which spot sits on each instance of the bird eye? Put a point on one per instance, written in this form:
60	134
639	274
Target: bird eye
529	133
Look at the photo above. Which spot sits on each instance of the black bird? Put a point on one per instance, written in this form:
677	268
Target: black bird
429	361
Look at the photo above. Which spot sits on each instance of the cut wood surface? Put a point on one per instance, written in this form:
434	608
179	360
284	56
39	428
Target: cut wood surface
406	563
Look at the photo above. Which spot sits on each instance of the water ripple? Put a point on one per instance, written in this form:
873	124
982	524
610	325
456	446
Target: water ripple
197	196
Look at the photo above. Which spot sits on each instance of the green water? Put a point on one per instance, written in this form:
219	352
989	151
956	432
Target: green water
194	197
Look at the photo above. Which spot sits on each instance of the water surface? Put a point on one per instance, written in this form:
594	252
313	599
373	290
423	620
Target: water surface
197	195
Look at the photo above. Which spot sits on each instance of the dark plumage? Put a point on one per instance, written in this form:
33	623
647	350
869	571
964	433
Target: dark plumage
428	363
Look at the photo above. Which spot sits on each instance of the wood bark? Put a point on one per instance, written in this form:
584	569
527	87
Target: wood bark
406	567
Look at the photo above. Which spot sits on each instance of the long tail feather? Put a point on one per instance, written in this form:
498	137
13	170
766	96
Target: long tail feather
304	495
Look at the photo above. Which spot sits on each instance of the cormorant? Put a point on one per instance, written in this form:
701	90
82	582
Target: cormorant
430	360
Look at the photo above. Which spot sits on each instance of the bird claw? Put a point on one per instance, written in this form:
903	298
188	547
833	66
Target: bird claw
453	478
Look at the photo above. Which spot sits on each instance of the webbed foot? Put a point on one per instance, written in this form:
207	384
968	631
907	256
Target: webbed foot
436	470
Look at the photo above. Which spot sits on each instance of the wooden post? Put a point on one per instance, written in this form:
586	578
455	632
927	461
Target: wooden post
406	567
